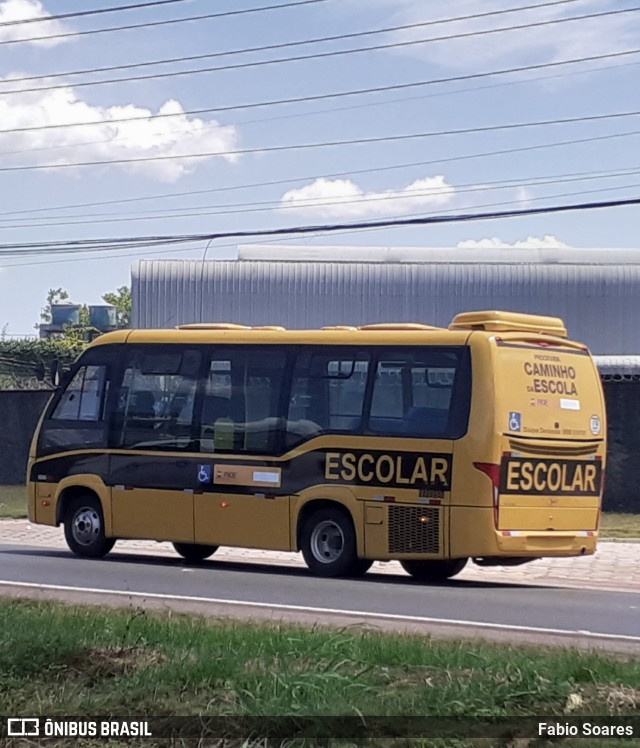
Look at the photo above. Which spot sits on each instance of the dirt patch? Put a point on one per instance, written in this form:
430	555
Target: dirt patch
428	675
620	699
109	662
607	699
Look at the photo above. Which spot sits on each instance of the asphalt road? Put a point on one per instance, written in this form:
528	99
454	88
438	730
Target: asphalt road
216	585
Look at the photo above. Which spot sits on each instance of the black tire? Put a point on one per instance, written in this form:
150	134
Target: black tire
84	528
194	552
434	571
328	544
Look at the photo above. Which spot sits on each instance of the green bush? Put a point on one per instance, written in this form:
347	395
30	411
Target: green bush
26	364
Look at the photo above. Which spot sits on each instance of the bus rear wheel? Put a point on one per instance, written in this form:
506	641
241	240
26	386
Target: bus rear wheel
434	571
194	552
328	543
84	528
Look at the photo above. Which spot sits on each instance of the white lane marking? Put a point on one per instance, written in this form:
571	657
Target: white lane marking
330	611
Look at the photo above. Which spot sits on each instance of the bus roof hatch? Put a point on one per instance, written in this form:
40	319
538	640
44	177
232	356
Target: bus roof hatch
398	326
509	322
212	326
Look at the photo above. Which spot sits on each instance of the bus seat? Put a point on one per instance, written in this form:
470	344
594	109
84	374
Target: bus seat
421	421
218	428
300	430
418	421
345	423
142	409
390	426
215	407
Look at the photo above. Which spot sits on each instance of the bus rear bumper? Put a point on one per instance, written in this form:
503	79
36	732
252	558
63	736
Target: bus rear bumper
476	536
541	544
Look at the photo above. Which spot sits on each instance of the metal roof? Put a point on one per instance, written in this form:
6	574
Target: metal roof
473	255
600	303
619	368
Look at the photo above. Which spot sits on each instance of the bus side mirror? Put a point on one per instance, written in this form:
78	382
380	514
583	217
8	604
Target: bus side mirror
55	373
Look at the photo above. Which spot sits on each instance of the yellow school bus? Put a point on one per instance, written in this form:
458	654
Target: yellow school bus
431	446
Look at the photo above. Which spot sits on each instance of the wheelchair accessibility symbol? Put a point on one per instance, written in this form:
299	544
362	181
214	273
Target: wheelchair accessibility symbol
204	473
515	421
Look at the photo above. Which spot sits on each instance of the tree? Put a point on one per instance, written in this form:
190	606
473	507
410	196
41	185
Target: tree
121	300
26	364
83	330
54	296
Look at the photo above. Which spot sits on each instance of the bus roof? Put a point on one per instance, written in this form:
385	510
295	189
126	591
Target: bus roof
387	333
329	336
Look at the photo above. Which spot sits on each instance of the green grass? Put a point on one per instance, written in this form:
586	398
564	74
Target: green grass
57	660
623	526
13	502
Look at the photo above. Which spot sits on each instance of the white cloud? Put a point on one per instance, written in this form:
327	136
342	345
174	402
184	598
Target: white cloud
521	47
548	241
342	198
169	136
23	10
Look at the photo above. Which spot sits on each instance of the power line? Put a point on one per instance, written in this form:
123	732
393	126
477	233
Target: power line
84	144
377	198
80	13
321	97
142	241
313	202
271	47
530	181
467	156
327	144
185	248
320	55
166	22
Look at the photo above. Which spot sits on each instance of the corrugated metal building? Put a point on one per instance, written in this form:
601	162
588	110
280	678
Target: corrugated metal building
596	291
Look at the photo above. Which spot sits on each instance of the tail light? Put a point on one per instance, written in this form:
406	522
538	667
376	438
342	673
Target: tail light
492	471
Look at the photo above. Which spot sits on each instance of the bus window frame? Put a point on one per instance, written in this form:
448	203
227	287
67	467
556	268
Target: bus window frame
210	351
340	352
108	356
116	357
460	408
128	356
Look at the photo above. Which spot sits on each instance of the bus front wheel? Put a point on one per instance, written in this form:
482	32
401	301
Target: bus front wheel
84	528
328	544
434	571
193	552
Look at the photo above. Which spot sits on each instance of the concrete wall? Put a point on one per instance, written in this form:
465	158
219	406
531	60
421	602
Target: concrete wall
19	415
20	411
622	487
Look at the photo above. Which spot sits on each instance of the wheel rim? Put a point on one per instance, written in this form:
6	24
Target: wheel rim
86	526
327	542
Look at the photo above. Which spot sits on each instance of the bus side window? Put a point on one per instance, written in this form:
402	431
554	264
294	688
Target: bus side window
156	398
78	420
241	404
413	393
83	399
327	394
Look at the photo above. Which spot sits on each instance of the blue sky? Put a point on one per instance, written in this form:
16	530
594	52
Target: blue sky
376	180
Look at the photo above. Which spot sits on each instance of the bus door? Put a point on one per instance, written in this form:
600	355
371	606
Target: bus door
241	499
153	470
